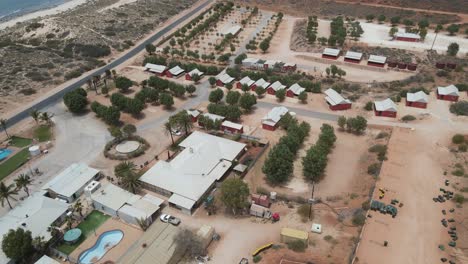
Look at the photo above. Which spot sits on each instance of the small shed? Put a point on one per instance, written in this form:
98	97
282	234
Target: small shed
259	211
335	101
291	235
385	108
405	36
295	90
193	114
271	64
289	67
353	57
34	150
188	76
250	63
448	93
418	99
260	83
232	127
377	61
274	87
175	72
213	117
223	78
270	121
261	199
246	80
329	53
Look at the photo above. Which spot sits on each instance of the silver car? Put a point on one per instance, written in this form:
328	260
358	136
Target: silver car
169	219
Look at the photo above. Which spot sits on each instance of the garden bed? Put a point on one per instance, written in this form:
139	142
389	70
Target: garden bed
111	153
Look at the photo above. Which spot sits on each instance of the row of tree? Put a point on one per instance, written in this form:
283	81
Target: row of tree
337	32
311	30
316	159
278	166
110	115
355	125
265	43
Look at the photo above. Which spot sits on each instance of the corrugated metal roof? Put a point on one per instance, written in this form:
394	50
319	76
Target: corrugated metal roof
176	70
155	68
335	98
420	97
72	179
331	52
247	80
385	105
296	89
448	90
407	35
262	83
274	115
353	55
377	59
196	71
277	86
232	125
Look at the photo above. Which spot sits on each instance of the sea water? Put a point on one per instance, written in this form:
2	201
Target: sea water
14	8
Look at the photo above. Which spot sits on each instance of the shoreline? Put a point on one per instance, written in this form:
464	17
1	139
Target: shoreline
42	13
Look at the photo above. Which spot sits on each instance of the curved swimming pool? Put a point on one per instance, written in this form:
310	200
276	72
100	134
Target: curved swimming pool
104	243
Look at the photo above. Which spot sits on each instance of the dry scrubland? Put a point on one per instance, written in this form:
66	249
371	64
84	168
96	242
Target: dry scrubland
66	45
437	5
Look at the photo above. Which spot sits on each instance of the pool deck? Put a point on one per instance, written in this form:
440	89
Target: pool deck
131	235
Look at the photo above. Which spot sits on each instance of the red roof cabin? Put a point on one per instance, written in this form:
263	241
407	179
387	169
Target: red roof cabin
295	90
377	61
274	87
232	127
246	80
223	78
271	120
404	36
353	57
193	115
261	199
260	83
289	67
175	72
418	99
448	93
159	70
271	64
385	108
331	54
188	76
335	101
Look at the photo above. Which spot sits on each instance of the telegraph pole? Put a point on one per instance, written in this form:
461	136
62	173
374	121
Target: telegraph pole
311	201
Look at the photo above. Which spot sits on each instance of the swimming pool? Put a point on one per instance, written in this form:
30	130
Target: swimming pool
4	153
104	243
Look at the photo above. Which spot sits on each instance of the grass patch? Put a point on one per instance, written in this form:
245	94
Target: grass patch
20	142
43	133
94	220
13	163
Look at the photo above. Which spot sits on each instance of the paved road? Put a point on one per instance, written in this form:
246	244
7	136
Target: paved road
80	82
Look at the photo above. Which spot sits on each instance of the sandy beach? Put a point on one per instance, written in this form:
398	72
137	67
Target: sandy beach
41	13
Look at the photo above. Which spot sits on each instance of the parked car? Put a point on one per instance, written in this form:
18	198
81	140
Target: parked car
169	219
176	132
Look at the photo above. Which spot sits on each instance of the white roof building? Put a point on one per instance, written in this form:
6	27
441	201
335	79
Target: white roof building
377	59
448	90
224	77
277	86
231	30
419	97
274	116
296	89
246	80
204	160
176	70
232	125
213	117
353	55
334	98
36	213
155	68
262	83
386	105
331	52
195	71
272	63
193	113
250	61
407	35
69	184
289	64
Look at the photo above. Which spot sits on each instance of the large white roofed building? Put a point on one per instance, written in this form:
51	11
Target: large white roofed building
155	68
188	177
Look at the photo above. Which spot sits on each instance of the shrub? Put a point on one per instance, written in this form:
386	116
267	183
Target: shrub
359	218
303	211
382	135
458	139
257	258
369	106
459	108
458	198
374	169
408	118
365	205
297	245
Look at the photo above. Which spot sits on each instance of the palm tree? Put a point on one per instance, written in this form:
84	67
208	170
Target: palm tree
3	124
142	223
69	221
22	182
131	183
126	168
168	130
46	117
6	192
36	115
185	121
78	207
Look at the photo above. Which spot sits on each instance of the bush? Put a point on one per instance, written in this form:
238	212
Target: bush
303	211
297	246
458	198
408	118
459	108
257	258
382	135
458	139
365	205
374	169
359	218
76	100
369	106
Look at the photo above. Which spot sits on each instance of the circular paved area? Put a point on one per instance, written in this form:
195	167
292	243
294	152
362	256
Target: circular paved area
127	146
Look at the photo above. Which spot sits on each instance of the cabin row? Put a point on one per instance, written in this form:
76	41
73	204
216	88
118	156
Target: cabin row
225	125
275	65
174	72
419	99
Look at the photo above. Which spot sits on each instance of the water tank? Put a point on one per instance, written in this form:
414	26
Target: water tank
34	150
273	196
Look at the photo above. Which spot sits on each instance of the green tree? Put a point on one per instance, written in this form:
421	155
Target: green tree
46	117
168	131
123	83
134	106
245	88
188	242
235	194
7	192
124	169
453	28
395	20
17	245
196	78
278	166
3	124
393	31
115	131
247	101
182	120
129	129
131	183
381	19
232	97
228	86
424	23
423	33
260	91
167	100
22	182
212	81
342	122
75	101
35	115
452	49
314	164
238	60
190	89
78	207
264	45
370	17
280	95
150	48
216	96
303	97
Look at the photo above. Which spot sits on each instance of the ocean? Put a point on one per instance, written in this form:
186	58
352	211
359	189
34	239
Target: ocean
14	8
